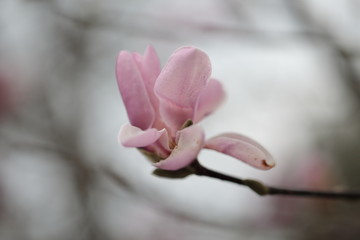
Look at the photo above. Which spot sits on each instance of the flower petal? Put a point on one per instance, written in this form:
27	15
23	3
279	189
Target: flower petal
131	136
189	141
242	148
161	147
179	85
133	91
209	99
150	67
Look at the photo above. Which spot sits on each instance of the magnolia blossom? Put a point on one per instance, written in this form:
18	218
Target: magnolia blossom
164	107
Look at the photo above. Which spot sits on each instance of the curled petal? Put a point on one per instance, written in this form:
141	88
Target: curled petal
180	83
161	147
131	136
133	91
189	142
242	148
209	99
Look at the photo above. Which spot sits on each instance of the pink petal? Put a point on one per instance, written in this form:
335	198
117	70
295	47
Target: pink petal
179	85
131	136
133	91
189	143
161	147
150	67
242	148
209	99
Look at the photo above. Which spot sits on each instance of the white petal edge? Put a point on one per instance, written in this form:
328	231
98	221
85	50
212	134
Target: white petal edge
131	136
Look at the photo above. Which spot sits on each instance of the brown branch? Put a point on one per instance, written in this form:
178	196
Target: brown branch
263	189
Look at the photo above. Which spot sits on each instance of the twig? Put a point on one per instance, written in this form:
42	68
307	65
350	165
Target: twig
263	189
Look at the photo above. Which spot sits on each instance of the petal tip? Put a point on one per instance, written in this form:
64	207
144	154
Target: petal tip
171	166
158	164
162	165
122	54
131	136
268	163
150	48
191	52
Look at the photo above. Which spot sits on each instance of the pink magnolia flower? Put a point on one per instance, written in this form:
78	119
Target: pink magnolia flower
164	107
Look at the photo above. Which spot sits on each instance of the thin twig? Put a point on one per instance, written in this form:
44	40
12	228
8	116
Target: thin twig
263	189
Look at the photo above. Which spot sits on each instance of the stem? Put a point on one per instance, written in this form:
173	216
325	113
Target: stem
263	189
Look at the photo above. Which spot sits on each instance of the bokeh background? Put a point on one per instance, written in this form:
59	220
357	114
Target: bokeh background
291	71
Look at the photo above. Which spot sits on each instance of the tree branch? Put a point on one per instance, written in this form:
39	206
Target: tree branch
263	189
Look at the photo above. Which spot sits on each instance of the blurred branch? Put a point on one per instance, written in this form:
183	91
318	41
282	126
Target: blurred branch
171	212
351	77
344	55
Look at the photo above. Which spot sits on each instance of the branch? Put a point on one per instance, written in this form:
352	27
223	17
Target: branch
263	189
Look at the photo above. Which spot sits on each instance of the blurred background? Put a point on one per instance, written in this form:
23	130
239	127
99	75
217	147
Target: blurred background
291	71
